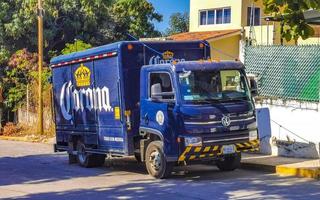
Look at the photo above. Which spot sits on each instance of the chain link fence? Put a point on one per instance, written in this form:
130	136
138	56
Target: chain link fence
286	72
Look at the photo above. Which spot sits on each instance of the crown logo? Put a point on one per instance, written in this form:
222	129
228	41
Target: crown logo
167	55
82	76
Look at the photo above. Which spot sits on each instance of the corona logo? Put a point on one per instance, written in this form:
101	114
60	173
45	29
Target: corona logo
82	76
79	100
167	58
167	55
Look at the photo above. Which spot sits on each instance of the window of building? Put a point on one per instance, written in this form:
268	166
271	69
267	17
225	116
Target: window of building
226	15
211	17
219	13
253	16
215	16
203	17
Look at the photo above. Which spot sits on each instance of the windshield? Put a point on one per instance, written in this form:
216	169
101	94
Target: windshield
207	86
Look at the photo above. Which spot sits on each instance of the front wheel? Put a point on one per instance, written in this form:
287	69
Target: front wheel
156	163
230	162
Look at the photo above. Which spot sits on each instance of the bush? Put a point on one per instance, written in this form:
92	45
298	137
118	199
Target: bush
10	129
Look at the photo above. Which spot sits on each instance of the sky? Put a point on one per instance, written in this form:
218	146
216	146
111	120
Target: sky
166	8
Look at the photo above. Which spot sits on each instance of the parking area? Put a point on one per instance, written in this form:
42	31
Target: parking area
33	171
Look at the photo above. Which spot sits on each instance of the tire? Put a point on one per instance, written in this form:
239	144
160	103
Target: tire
87	159
229	163
72	158
155	161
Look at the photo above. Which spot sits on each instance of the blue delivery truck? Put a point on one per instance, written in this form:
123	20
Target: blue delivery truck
162	102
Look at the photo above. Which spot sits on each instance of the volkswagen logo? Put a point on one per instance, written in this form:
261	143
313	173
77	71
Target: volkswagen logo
225	121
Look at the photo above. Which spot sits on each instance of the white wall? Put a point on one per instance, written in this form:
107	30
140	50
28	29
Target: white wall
301	118
263	35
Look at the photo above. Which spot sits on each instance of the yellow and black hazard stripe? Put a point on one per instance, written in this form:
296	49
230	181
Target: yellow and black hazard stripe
201	152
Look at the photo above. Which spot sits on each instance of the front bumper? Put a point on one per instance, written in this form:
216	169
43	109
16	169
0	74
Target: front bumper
191	153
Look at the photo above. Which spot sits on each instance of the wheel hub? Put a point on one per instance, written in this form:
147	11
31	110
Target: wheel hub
155	160
82	154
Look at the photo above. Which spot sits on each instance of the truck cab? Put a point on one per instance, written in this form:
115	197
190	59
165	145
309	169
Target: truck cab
193	112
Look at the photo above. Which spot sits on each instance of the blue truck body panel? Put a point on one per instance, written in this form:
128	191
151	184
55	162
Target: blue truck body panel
95	90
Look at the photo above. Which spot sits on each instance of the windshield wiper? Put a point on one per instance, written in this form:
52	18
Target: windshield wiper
214	100
244	98
201	102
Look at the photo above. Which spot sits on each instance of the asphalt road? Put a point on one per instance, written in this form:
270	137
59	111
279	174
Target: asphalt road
33	171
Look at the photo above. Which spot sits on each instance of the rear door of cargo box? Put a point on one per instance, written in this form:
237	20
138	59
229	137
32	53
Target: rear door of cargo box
64	119
108	100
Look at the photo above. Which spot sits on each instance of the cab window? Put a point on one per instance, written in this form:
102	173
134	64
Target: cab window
163	84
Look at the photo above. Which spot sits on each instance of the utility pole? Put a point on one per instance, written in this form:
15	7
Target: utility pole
40	65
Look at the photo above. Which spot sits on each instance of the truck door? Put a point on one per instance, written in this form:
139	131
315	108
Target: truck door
108	105
156	111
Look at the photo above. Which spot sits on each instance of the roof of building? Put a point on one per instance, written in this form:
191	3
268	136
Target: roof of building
316	29
205	35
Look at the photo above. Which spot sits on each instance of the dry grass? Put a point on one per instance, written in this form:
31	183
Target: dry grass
29	132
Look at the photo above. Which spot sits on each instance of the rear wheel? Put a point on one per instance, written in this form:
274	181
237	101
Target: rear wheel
86	159
155	160
230	162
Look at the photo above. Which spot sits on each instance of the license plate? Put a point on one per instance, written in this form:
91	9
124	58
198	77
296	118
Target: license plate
228	149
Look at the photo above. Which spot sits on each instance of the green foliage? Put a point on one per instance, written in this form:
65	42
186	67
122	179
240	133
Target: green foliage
95	22
4	55
179	23
291	13
78	45
17	76
134	17
22	71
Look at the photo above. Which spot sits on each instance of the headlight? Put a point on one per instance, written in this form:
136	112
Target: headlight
250	113
253	135
192	141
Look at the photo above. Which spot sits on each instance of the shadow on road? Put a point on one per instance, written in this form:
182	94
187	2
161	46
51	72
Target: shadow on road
260	188
192	182
43	168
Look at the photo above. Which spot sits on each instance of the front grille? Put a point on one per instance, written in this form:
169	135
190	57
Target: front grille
226	138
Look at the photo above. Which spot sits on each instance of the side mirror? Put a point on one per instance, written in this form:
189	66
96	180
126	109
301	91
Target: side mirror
156	91
157	94
253	87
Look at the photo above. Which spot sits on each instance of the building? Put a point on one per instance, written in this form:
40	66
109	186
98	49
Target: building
228	24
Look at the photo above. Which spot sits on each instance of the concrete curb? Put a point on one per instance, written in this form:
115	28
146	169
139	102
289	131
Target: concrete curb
284	170
299	172
258	167
20	139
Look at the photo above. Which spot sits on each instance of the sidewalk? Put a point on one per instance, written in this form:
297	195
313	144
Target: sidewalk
29	139
300	167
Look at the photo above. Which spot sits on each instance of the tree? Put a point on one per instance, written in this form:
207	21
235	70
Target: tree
95	22
179	23
134	17
78	45
22	71
290	13
17	76
87	20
